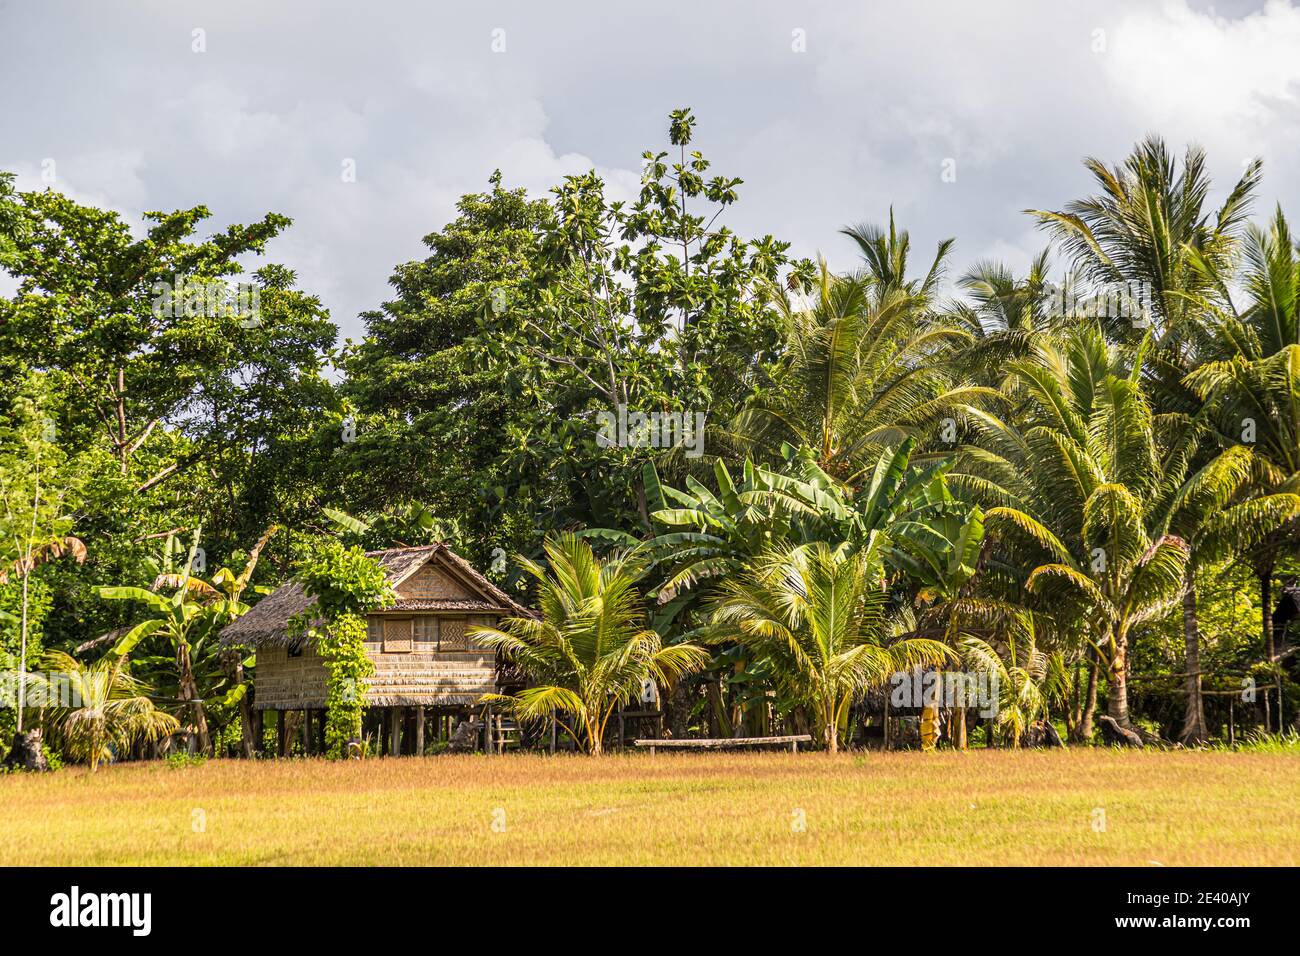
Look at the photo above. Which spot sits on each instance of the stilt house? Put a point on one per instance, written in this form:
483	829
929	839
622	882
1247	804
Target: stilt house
426	665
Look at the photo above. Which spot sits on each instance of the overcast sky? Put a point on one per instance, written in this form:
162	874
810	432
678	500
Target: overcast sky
830	112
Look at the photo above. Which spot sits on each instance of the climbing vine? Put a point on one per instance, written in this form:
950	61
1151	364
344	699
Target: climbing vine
347	586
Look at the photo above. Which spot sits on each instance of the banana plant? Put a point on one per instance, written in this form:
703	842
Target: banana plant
189	620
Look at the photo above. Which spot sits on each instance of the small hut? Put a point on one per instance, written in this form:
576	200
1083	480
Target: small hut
426	666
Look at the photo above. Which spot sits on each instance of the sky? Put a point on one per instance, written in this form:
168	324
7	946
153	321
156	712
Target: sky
959	114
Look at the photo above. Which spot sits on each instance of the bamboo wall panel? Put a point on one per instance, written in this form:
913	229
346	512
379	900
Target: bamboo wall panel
431	583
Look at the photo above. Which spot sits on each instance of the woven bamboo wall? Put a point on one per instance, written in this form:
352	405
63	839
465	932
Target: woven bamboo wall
289	683
422	675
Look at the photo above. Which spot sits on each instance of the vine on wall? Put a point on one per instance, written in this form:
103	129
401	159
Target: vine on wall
347	586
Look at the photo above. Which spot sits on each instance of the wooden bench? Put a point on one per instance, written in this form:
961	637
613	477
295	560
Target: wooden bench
721	743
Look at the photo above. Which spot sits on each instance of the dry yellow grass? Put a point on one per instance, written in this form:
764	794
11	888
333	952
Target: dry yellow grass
904	808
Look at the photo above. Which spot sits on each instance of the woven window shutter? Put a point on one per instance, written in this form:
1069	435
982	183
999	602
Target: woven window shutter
397	635
453	635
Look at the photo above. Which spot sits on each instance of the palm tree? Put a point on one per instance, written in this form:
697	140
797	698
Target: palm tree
1251	381
106	709
884	257
590	649
1149	225
1212	512
815	615
864	370
1005	317
1029	680
1087	485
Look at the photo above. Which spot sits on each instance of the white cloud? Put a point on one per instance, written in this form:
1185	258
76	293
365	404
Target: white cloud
884	93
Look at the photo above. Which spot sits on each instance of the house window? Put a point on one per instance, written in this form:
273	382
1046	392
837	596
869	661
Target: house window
397	635
452	635
375	629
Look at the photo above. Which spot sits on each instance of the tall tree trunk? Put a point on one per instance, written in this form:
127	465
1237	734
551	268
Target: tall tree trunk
1266	611
1266	623
1117	683
190	693
1194	730
1083	733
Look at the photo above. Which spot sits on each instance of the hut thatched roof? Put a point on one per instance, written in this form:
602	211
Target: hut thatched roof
266	624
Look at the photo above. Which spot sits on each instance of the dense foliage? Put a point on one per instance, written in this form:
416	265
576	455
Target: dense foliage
764	484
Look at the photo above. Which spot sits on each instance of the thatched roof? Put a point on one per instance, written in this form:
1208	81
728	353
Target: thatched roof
267	623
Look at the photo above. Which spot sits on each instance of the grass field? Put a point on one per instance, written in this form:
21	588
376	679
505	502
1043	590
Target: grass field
1080	807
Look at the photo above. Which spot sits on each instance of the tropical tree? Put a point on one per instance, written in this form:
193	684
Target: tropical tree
589	650
181	619
863	371
99	709
1250	382
1076	487
1216	513
817	617
38	491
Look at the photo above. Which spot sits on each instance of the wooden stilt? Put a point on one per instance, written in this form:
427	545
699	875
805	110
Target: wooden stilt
394	731
419	731
281	739
306	732
320	730
259	744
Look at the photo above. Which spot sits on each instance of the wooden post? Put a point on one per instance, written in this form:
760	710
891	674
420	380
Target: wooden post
320	729
487	729
306	732
281	741
394	731
258	744
419	731
553	730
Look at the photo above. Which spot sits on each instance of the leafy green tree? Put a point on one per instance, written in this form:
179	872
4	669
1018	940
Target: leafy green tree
589	650
38	491
648	307
420	379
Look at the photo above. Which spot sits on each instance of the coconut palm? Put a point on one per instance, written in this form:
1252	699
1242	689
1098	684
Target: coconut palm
99	709
815	616
1148	225
1148	229
1004	317
1029	680
1075	487
864	370
590	649
884	256
1250	382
